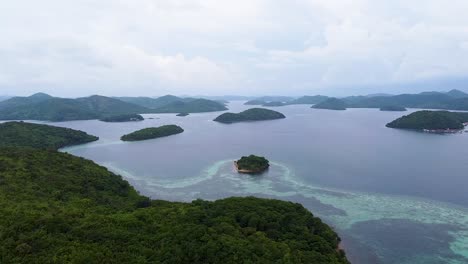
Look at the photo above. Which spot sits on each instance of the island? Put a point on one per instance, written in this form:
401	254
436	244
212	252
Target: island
331	104
432	121
122	118
56	202
22	134
393	108
255	102
274	104
253	114
152	132
252	164
182	114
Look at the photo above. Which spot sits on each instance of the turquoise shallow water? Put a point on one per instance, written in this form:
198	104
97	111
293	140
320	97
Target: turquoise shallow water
343	209
393	196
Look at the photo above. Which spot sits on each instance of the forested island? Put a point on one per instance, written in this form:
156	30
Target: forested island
331	104
253	114
431	121
122	118
393	108
152	132
182	114
252	164
58	207
22	134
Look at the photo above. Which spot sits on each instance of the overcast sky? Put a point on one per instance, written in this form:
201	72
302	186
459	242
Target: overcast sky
215	47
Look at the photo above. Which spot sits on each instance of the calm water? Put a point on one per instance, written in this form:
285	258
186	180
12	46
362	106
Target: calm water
393	196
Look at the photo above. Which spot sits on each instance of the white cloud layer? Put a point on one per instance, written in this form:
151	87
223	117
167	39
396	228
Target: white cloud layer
154	47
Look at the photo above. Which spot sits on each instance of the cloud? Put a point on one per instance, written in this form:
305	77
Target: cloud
215	47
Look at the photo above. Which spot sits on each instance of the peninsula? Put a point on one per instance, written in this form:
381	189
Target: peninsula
22	134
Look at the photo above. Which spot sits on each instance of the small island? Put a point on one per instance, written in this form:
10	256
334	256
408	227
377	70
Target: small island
182	114
331	104
152	132
254	114
432	121
393	108
122	118
252	164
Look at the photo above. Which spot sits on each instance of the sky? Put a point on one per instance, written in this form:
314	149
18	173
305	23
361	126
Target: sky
242	47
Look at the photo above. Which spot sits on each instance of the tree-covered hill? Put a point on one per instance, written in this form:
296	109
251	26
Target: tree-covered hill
253	114
174	104
153	132
331	104
46	107
22	134
63	209
191	106
431	120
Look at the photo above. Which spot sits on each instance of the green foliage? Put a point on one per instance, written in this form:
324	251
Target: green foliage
57	208
45	107
393	108
123	118
253	164
254	114
174	104
433	120
22	134
153	132
191	106
453	100
331	104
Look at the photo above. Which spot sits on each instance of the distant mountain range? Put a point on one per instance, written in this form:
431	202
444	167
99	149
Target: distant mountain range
452	100
174	104
42	106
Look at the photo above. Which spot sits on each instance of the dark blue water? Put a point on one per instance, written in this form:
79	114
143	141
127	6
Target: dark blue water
394	196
